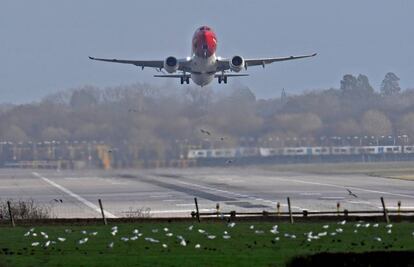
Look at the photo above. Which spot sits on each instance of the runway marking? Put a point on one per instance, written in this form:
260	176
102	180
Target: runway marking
338	198
231	179
160	196
232	193
118	183
171	200
213	189
359	202
309	194
81	199
190	204
396	208
343	187
81	178
179	211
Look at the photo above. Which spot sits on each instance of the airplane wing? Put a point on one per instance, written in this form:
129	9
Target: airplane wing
224	64
158	64
140	63
264	61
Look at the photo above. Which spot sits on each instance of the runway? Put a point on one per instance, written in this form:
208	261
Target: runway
171	192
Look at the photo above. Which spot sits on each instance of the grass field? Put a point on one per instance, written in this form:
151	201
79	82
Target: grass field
206	244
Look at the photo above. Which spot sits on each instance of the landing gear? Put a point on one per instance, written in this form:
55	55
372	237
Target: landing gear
185	79
222	78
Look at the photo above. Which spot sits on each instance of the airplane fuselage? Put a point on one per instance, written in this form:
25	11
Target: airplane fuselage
203	56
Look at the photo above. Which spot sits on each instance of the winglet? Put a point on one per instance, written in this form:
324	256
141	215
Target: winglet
91	58
314	54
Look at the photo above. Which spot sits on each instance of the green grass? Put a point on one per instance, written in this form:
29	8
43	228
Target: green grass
244	248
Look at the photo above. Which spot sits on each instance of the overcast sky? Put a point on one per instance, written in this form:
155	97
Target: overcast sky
44	44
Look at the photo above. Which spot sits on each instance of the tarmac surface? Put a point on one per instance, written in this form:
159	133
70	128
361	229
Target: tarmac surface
171	192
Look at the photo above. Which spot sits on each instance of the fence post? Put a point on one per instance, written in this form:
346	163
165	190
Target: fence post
10	214
102	211
290	210
387	219
399	207
338	206
198	213
278	208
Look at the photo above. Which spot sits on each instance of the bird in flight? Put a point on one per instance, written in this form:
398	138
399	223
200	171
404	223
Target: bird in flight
350	193
205	132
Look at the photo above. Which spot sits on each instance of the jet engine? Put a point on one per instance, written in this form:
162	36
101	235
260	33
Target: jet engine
171	64
236	63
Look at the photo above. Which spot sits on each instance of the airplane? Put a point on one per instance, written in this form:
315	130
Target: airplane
203	66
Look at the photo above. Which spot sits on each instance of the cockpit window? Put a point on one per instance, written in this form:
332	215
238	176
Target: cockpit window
204	28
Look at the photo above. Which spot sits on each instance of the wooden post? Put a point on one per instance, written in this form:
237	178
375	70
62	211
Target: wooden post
10	214
399	207
290	210
102	212
278	208
197	211
387	219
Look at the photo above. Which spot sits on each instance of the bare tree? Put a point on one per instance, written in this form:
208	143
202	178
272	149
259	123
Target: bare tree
376	123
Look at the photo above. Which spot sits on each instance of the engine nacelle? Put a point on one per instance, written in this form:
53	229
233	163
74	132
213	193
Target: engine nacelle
236	63
171	64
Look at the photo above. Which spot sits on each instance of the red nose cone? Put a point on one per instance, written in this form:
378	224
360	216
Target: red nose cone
204	42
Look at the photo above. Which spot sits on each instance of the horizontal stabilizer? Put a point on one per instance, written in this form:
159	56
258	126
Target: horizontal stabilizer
171	75
231	75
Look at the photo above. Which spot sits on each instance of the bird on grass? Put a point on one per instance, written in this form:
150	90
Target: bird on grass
351	193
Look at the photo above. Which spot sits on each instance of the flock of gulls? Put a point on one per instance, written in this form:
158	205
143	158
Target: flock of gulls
42	239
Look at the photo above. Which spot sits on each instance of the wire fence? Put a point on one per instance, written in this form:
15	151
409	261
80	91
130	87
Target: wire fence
15	211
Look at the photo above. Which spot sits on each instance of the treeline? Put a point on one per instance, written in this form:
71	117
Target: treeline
163	122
